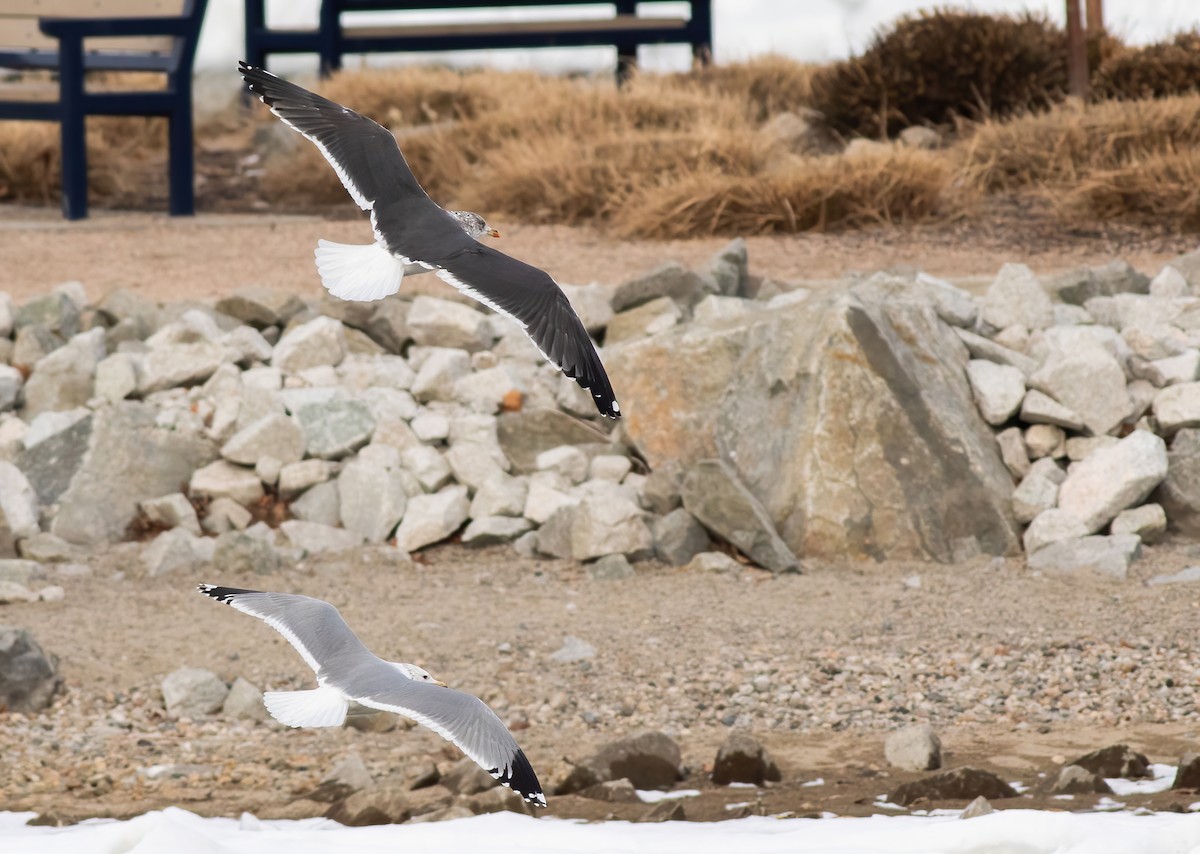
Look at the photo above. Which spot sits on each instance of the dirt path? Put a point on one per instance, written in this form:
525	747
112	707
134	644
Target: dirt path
215	254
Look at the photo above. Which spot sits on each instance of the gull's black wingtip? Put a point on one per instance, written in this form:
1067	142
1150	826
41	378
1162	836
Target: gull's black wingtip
520	778
221	594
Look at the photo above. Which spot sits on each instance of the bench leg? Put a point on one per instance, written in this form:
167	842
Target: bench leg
73	133
182	156
626	63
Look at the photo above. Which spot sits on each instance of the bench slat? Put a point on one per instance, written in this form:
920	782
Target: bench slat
24	33
620	22
89	8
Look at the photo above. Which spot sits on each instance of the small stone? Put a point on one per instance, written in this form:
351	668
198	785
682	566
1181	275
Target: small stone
427	465
1038	490
655	316
1074	780
439	322
295	478
1177	406
379	804
267	469
678	537
1045	440
572	650
1016	297
978	807
611	467
173	550
612	791
998	389
315	538
465	777
1187	774
714	562
1079	447
372	499
192	692
611	568
566	460
959	784
1184	576
1051	526
742	759
320	503
335	428
321	341
240	553
117	377
914	748
668	810
431	427
244	702
221	479
1116	760
28	676
1148	522
503	495
274	435
1039	408
1109	557
172	511
490	530
344	779
1113	479
441	369
1013	451
432	518
670	280
591	303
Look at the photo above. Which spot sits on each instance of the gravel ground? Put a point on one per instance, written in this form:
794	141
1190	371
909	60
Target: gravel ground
1017	672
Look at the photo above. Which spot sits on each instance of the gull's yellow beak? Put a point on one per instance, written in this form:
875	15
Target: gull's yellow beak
491	232
439	683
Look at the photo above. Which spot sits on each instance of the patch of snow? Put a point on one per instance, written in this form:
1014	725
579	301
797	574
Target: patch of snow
650	796
1161	778
820	781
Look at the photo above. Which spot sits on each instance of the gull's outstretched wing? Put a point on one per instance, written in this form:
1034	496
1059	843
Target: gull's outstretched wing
313	627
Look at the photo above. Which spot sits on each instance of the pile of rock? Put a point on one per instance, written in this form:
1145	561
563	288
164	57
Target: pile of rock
265	428
1085	378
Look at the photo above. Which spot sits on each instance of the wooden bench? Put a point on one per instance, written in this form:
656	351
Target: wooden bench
72	37
332	39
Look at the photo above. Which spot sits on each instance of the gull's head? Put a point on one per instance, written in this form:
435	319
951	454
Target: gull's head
474	225
419	674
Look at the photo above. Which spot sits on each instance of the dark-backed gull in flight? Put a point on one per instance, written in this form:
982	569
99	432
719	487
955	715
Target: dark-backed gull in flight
412	232
347	672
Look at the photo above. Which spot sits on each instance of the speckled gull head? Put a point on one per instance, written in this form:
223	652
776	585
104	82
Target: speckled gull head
417	674
473	224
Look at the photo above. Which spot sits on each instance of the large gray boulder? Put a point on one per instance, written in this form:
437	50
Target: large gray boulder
28	677
129	458
64	379
648	759
1112	479
848	417
1179	493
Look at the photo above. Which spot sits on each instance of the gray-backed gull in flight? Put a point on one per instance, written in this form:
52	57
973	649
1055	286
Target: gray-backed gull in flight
347	672
412	232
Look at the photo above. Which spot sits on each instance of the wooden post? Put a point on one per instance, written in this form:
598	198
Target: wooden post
1077	64
1095	17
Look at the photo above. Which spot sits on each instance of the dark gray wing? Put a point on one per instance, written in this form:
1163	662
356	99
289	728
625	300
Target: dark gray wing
363	153
313	627
456	716
537	304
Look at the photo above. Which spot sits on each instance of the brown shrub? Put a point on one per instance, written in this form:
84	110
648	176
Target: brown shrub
1154	71
934	67
1067	143
1163	189
768	84
818	194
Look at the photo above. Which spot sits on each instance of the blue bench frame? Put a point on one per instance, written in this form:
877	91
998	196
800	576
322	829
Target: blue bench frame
331	43
75	104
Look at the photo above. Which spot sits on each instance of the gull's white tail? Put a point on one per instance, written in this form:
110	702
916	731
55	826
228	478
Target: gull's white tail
319	707
358	273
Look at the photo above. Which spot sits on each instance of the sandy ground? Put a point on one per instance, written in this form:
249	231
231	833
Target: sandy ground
213	254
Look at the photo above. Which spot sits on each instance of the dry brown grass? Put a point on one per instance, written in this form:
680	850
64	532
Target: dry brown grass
1066	144
1161	189
893	186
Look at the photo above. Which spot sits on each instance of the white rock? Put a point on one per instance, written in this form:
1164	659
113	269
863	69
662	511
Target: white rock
431	427
18	502
1168	284
6	315
484	391
1183	368
49	424
320	503
371	500
490	530
379	455
427	465
475	463
192	692
1038	490
1157	341
117	376
173	365
611	467
1090	383
440	370
244	702
573	649
268	468
439	322
378	371
1148	522
592	303
172	511
295	478
321	341
1016	297
247	345
717	309
1045	440
1013	451
952	304
274	435
173	550
225	514
548	491
221	479
1112	479
1052	526
64	378
431	518
503	495
998	389
566	460
914	748
315	538
267	377
1106	556
1039	408
1177	406
11	381
1078	447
